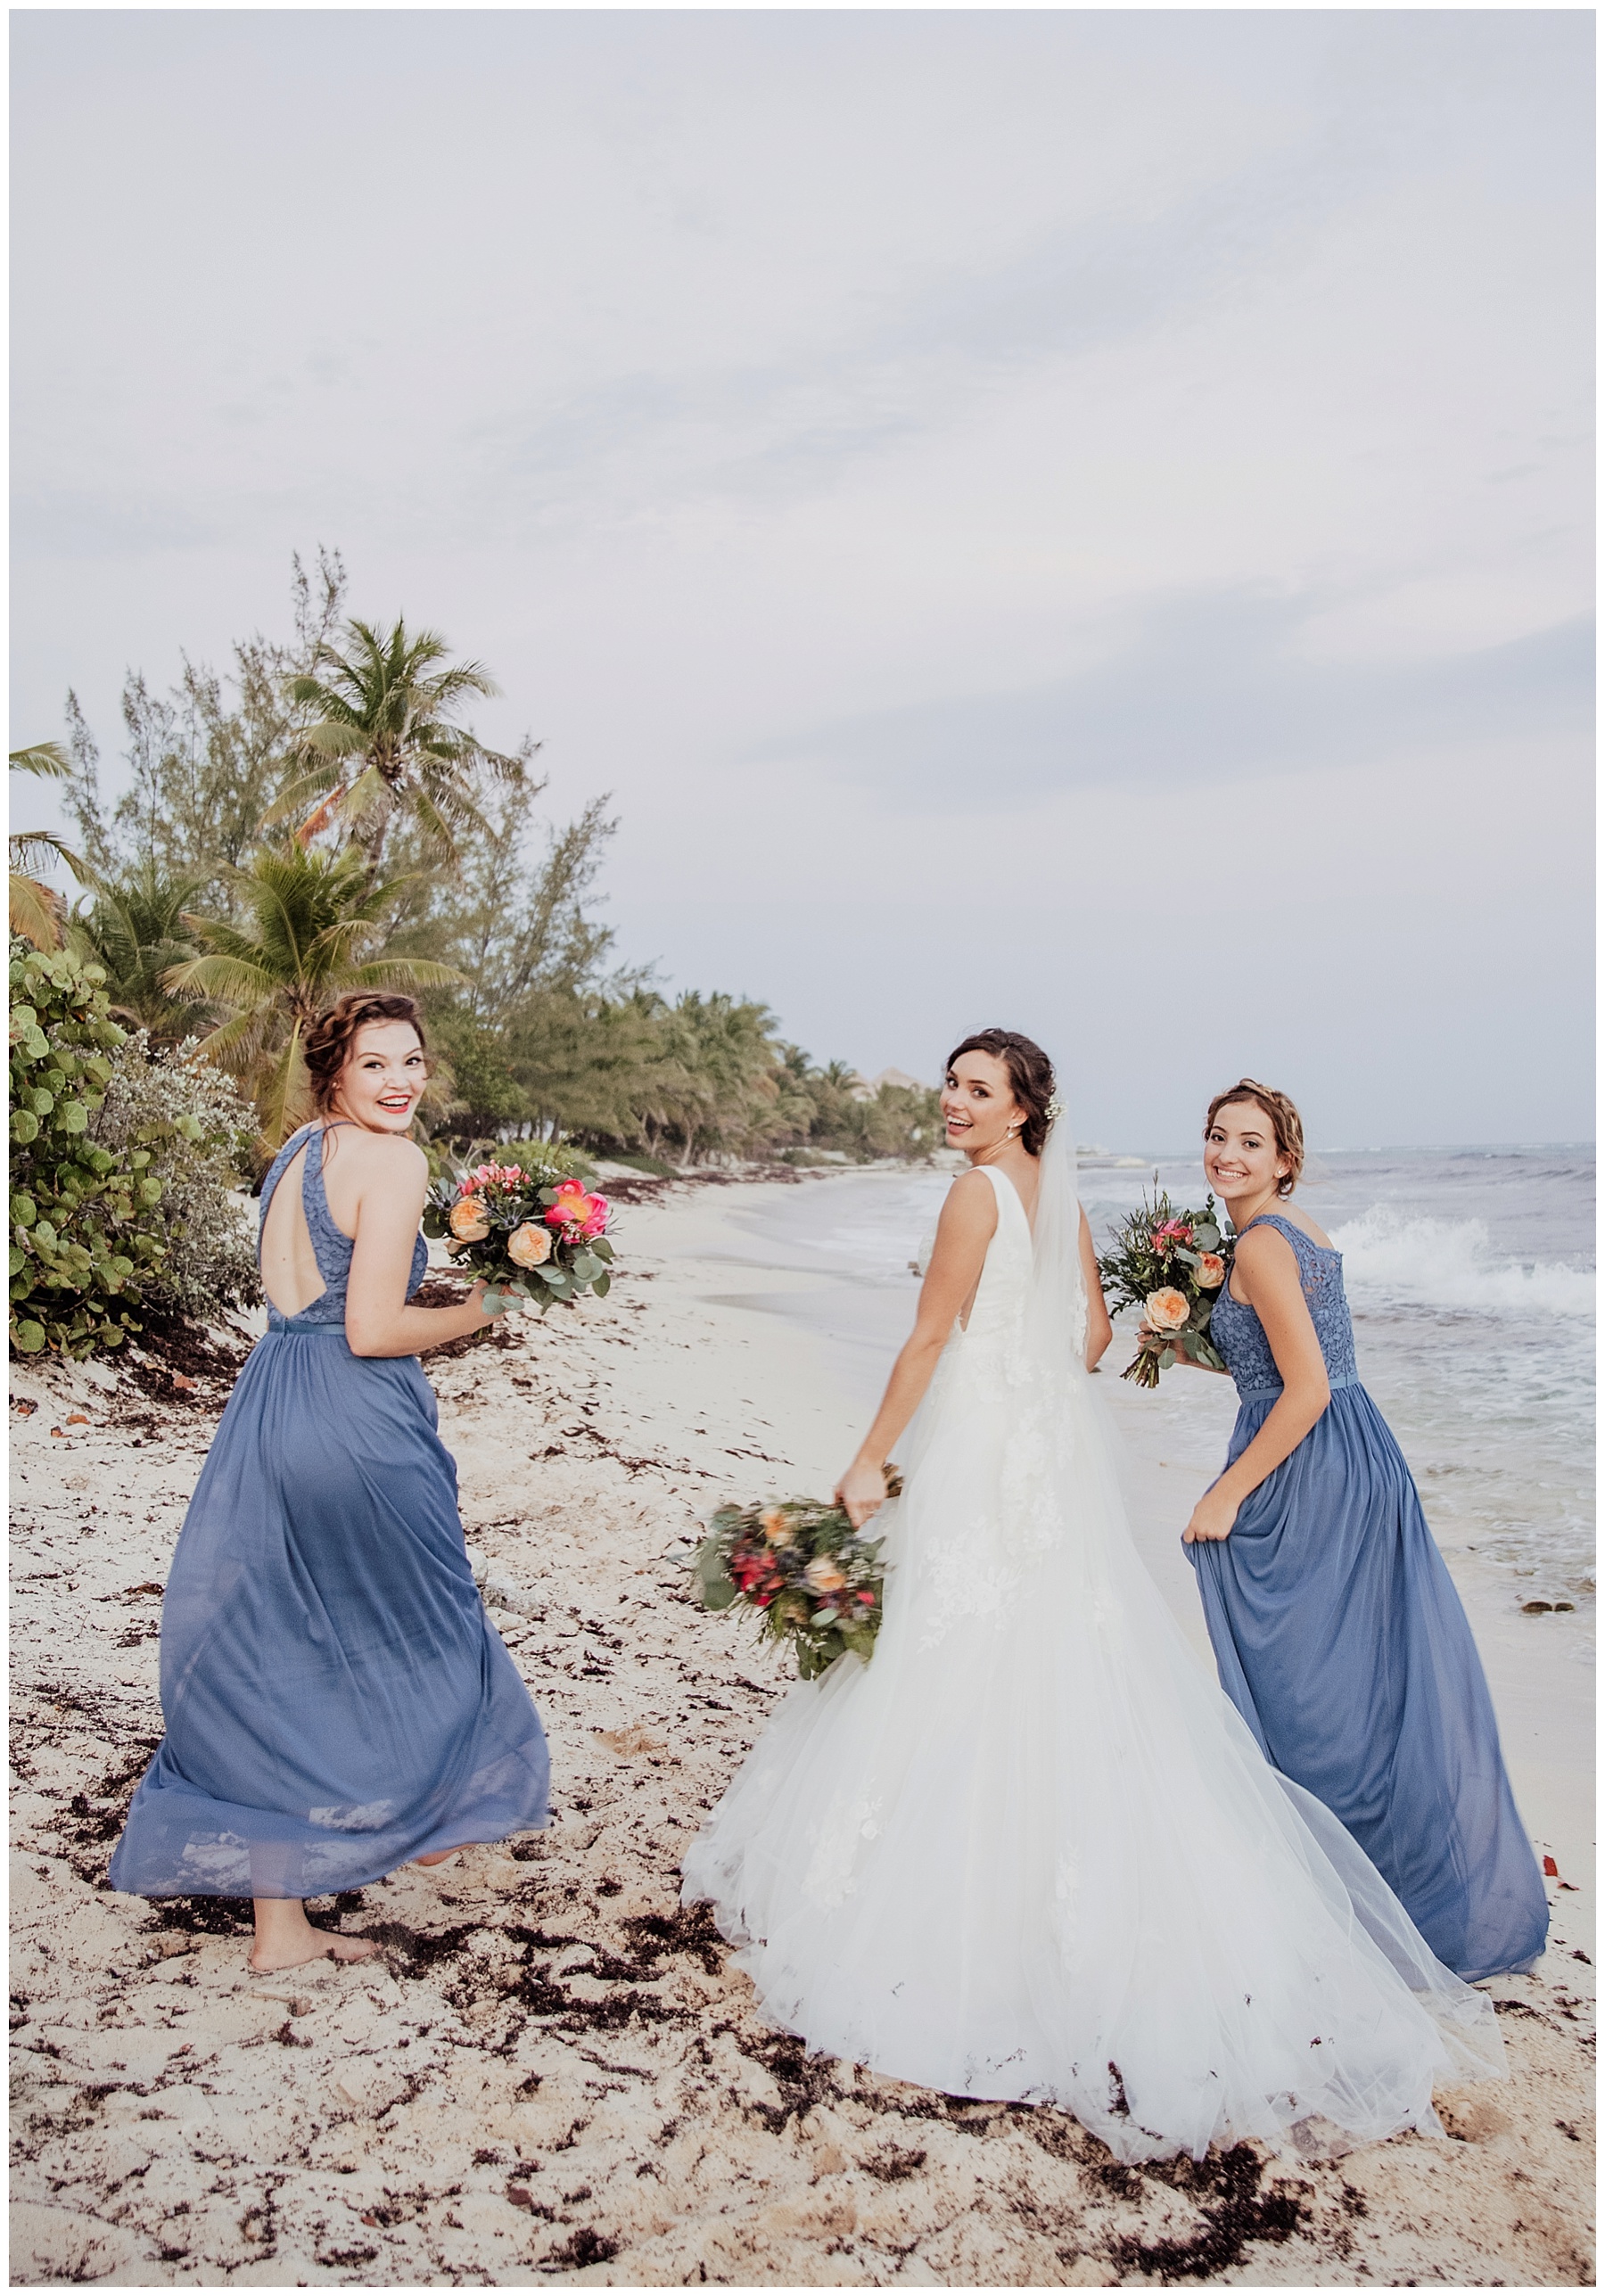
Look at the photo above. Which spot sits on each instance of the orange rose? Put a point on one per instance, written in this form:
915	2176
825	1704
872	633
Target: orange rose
468	1222
777	1529
1212	1272
825	1575
529	1245
1166	1311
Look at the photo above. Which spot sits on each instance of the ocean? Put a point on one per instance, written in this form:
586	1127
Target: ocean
1469	1274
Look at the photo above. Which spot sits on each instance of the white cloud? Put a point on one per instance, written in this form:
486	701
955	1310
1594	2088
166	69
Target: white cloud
907	458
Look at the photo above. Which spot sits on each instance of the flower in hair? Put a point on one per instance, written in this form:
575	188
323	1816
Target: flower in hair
1055	1110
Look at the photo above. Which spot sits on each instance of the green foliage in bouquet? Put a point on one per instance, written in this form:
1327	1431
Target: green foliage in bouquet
1172	1264
530	1229
84	1229
813	1580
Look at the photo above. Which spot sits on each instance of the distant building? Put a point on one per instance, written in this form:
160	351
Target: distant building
897	1077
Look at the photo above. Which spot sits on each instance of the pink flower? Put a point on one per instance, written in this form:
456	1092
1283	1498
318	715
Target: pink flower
575	1209
490	1175
1171	1232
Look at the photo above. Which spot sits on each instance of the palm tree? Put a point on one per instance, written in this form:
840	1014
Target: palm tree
135	932
386	740
311	915
36	911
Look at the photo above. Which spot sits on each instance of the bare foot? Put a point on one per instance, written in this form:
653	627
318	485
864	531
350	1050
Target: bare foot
329	1949
286	1939
441	1857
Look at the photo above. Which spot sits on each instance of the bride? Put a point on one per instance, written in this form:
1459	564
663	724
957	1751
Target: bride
1031	1851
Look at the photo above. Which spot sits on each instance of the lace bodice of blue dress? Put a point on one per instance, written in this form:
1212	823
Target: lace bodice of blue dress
1240	1336
332	1248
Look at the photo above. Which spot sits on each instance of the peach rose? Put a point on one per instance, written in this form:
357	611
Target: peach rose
1212	1272
777	1530
469	1224
529	1245
1166	1311
823	1576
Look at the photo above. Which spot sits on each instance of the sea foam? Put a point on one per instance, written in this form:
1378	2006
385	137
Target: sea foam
1396	1258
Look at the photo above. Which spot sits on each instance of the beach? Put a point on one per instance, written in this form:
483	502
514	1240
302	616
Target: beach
553	2072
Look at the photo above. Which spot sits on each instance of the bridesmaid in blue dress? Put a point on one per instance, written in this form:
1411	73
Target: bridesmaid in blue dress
1337	1631
336	1700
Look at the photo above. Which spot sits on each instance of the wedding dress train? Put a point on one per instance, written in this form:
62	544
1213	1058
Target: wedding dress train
1032	1851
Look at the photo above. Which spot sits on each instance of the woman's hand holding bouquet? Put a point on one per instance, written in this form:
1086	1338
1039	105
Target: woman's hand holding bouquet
803	1568
1171	1264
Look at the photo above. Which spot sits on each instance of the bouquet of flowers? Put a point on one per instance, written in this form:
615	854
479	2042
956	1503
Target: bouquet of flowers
1171	1266
814	1582
530	1228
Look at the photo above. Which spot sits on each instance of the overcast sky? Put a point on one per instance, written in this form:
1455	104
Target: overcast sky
1079	521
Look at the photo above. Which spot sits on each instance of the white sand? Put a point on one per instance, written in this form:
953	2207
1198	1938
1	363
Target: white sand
554	2074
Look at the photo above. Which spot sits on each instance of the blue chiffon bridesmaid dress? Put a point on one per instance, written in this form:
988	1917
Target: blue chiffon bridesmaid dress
336	1700
1340	1639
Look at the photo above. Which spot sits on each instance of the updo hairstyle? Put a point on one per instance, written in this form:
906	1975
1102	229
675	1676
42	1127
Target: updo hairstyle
328	1045
1284	1120
1030	1078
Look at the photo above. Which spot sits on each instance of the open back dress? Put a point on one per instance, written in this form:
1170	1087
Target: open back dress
336	1699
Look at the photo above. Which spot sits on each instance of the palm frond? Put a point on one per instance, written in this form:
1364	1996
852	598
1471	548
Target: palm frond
222	939
235	1044
321	774
235	982
28	847
334	737
403	972
369	789
284	1093
431	820
35	913
48	758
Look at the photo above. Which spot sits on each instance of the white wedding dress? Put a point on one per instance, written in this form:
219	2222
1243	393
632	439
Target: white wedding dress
1030	1850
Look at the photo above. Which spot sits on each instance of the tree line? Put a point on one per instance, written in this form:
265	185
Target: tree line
322	816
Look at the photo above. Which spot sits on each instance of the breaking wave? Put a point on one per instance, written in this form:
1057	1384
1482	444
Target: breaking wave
1393	1258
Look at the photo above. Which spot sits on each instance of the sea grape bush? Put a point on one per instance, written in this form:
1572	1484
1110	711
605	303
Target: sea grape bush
83	1232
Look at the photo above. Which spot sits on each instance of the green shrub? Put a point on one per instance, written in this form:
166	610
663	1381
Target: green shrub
83	1224
198	1128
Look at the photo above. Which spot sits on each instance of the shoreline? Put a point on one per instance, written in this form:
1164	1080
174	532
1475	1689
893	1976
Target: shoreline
554	2073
